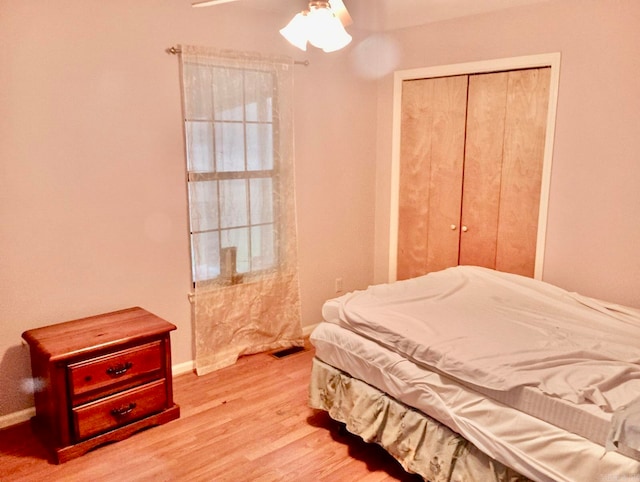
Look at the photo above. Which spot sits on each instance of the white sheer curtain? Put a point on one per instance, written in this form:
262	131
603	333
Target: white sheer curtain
239	149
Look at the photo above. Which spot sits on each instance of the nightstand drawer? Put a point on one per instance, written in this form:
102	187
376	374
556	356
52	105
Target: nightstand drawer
111	412
100	376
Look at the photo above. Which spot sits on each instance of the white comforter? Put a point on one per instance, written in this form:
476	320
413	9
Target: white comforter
501	331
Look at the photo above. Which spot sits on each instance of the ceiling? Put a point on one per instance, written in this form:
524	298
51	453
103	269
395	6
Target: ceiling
394	14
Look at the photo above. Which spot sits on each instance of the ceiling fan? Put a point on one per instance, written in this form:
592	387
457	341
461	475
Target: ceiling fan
337	7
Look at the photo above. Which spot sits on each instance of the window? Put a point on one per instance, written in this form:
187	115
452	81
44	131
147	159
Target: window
232	171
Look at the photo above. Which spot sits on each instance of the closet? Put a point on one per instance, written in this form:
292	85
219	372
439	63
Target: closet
471	159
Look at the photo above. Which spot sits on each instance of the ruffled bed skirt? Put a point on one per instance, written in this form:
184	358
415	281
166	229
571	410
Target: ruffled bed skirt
421	444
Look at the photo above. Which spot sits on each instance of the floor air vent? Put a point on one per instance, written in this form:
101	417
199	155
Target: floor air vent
288	351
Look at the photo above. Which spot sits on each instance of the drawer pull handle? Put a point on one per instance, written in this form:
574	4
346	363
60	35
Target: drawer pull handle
119	369
122	411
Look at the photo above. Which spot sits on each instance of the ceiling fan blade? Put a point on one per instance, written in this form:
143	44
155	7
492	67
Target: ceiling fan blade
208	3
341	12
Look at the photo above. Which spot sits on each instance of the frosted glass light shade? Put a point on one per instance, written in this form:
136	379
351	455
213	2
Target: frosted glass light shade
318	26
296	31
334	37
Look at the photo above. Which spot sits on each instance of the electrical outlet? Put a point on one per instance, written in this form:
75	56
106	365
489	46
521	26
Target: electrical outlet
339	285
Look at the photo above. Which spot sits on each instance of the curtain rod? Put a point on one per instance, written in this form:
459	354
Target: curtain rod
176	50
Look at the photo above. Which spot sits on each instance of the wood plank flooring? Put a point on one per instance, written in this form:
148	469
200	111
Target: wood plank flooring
249	422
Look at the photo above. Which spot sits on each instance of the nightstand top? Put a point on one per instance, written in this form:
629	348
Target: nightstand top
72	338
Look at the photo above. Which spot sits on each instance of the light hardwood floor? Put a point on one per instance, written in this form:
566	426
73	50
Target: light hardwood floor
249	422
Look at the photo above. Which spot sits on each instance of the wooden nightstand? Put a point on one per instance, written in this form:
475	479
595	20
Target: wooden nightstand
100	379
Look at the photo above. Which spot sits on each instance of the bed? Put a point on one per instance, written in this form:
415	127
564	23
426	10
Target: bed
473	374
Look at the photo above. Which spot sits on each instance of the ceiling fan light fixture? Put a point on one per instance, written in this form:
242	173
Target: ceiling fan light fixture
319	26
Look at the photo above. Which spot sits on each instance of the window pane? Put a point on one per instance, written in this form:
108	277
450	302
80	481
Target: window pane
205	255
261	190
240	239
199	146
259	147
233	203
263	255
203	199
228	102
229	147
198	101
229	128
258	88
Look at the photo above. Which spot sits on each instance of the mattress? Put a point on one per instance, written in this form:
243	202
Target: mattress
560	356
532	447
501	331
585	420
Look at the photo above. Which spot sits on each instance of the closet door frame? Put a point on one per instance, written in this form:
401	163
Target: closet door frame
551	60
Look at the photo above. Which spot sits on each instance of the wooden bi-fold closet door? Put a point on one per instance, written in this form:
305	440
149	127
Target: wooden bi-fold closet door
471	156
431	167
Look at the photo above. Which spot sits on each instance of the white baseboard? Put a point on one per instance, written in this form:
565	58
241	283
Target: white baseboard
306	330
182	368
17	417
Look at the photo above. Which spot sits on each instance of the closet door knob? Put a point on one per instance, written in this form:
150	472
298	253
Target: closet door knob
453	227
465	229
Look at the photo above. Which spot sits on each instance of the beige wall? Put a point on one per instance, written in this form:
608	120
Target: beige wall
593	232
92	194
92	186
